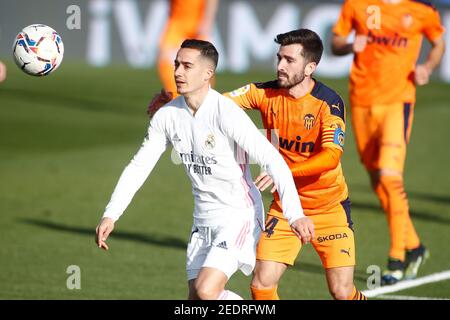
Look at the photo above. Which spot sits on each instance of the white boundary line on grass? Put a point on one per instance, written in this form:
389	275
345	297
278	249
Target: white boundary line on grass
402	285
393	297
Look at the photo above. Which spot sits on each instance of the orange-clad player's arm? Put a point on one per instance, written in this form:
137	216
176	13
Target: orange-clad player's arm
327	159
423	71
433	30
332	143
341	30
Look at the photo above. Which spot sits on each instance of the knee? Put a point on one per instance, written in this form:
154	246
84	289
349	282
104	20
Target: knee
262	281
341	291
267	274
386	178
203	291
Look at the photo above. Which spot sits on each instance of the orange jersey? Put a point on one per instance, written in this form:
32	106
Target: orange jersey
384	71
303	127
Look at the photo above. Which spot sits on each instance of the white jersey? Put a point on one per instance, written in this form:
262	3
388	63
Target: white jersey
208	144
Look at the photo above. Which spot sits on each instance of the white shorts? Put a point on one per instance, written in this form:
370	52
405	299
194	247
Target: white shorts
227	247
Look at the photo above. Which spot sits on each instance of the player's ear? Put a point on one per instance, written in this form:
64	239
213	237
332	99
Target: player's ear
209	73
310	68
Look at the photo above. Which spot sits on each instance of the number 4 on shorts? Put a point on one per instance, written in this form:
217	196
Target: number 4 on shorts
270	225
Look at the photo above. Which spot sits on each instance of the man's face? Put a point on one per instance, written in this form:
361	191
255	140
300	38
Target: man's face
291	65
192	71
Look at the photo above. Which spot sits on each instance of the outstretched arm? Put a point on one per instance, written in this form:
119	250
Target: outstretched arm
131	179
341	47
327	159
104	228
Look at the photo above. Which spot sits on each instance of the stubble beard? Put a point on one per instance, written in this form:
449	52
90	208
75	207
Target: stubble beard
287	83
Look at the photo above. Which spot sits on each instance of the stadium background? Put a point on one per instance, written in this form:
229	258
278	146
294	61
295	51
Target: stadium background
64	140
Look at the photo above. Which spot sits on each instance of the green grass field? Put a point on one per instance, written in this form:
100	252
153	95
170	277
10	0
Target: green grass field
64	141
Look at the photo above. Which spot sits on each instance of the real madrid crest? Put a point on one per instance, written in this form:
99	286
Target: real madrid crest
210	142
308	121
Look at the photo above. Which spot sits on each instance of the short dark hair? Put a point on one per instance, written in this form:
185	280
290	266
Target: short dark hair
206	49
310	41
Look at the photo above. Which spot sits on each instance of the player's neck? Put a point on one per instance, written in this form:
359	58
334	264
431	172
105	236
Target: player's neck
302	89
195	99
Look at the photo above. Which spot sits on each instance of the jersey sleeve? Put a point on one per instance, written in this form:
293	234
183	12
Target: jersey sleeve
344	24
137	171
246	97
333	125
326	159
433	28
238	126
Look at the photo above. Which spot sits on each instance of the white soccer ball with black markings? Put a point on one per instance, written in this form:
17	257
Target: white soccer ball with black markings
38	50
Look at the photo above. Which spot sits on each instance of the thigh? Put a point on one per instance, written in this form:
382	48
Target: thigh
233	247
365	130
334	241
395	132
278	242
268	273
176	31
209	280
197	251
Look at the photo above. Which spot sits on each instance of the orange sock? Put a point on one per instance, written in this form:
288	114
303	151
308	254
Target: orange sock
356	295
264	294
412	239
393	199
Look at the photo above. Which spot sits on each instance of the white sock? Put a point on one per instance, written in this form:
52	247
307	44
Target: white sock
229	295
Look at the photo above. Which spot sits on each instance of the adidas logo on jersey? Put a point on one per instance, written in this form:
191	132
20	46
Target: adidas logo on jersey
223	245
176	138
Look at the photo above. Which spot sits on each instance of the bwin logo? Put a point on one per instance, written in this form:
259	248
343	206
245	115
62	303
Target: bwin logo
298	147
395	41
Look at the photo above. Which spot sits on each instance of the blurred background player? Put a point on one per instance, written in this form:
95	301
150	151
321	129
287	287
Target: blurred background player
2	72
206	129
193	19
383	83
310	119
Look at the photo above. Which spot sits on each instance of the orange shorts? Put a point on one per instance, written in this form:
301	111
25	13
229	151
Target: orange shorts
334	241
382	133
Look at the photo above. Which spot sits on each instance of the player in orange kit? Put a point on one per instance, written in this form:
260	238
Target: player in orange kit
309	119
382	94
187	20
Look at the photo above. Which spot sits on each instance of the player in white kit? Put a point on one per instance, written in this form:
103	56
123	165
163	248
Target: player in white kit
211	134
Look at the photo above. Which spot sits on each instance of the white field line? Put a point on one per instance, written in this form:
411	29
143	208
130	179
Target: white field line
388	297
402	285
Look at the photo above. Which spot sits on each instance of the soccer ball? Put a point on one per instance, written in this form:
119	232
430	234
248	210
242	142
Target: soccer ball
38	50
